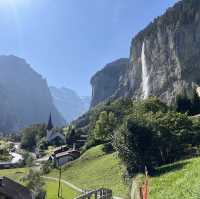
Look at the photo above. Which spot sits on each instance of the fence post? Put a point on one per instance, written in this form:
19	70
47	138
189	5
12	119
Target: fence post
96	195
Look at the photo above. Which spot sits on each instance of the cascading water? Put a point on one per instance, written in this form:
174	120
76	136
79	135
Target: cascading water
145	77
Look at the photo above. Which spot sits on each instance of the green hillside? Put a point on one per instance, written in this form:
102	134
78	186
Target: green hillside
52	190
95	169
178	180
15	174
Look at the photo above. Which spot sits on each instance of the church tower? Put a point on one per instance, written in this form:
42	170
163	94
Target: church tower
49	128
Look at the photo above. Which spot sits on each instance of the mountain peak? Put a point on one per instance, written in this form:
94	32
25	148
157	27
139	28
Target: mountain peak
69	104
26	95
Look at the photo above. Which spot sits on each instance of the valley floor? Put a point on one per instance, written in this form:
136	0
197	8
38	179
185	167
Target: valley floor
96	169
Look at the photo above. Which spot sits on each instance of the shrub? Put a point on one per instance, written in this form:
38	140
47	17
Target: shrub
35	183
134	143
28	159
46	167
108	148
42	144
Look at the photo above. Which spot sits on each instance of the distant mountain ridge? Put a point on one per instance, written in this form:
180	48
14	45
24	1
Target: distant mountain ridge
86	100
24	96
68	103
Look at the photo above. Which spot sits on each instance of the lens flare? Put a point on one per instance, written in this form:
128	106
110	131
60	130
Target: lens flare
12	8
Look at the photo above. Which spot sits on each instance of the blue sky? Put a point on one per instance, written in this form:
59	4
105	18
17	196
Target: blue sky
67	41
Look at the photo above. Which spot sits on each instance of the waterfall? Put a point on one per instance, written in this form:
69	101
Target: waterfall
145	78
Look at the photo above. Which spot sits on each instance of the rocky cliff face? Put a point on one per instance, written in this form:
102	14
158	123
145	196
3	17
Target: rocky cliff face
68	103
106	82
164	57
24	96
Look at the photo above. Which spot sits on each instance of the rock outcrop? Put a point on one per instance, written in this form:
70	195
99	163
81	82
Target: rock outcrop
24	96
106	82
164	58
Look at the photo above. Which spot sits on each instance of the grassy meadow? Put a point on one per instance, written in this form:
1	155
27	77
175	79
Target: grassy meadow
95	169
52	189
14	174
178	180
50	186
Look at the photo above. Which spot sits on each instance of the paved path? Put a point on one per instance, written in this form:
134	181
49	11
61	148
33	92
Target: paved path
64	182
72	186
16	157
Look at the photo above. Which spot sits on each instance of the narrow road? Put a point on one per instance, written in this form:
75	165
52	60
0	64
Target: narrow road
71	185
16	157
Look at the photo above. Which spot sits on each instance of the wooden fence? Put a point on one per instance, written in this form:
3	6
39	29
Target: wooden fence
97	194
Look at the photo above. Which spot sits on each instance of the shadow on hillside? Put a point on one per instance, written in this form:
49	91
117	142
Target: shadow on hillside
169	168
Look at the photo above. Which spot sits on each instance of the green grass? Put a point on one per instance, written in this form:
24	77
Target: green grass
179	180
52	189
14	174
50	186
95	170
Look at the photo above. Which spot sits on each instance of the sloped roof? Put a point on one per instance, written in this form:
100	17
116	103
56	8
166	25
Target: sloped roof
56	135
73	153
14	190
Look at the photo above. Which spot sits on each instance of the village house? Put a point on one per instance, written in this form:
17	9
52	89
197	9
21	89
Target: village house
61	158
10	189
52	136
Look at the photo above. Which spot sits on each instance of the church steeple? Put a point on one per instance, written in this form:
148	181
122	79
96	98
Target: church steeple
50	125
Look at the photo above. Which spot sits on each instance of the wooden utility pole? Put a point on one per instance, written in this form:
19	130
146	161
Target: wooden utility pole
144	189
59	183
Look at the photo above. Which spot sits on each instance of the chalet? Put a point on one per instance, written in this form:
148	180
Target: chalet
10	189
62	158
52	136
60	149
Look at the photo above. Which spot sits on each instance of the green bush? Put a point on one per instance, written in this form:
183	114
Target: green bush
32	135
28	159
47	167
153	139
108	148
35	183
